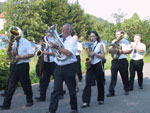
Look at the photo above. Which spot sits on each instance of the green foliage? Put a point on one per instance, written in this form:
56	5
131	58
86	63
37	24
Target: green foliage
76	18
4	69
1	5
28	16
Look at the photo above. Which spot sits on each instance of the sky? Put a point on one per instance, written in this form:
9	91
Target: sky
105	8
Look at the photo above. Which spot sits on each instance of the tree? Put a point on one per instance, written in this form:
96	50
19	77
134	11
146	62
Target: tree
1	5
119	16
28	16
56	12
76	18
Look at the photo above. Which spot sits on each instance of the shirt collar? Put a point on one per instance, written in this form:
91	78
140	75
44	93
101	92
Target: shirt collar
95	43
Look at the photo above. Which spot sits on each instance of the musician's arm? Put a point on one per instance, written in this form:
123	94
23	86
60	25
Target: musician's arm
111	49
139	50
65	51
48	53
102	54
125	52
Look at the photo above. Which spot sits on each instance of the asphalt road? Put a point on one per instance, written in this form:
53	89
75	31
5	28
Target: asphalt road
138	101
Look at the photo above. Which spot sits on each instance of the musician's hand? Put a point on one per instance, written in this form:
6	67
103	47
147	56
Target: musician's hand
121	51
91	54
52	45
112	49
8	52
19	57
45	52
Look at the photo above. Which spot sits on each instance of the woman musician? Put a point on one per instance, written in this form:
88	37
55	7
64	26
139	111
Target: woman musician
95	70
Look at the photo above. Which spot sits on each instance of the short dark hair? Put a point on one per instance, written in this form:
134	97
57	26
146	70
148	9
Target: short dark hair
96	34
42	38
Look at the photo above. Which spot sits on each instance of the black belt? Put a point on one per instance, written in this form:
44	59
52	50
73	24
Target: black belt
119	59
137	60
63	66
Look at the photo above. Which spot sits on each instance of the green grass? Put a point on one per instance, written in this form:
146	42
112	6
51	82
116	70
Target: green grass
147	59
33	76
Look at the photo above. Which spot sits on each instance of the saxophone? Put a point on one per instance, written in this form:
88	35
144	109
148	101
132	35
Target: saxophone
40	56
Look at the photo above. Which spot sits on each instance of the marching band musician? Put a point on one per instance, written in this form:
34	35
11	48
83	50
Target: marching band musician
120	64
19	70
96	70
136	63
65	70
48	69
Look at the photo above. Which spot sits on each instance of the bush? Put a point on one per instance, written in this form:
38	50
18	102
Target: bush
4	68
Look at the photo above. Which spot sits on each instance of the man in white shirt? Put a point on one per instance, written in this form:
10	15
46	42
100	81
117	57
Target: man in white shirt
19	71
120	64
136	63
65	70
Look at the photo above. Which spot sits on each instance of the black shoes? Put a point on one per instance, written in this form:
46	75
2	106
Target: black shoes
126	93
110	94
84	105
3	94
4	107
39	99
130	89
61	97
29	104
100	102
74	111
141	87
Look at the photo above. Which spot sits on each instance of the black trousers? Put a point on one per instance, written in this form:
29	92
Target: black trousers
79	72
67	74
121	66
44	81
18	72
95	70
103	62
136	66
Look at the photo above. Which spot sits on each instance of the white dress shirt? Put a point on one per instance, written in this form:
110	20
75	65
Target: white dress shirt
79	47
71	45
24	48
138	55
51	58
97	50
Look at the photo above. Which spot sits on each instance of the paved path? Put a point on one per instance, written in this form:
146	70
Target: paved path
138	101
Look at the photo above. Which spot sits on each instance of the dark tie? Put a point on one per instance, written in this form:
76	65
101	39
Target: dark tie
134	53
48	54
16	51
17	47
64	40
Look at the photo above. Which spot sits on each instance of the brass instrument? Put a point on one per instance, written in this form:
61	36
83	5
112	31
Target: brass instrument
116	54
13	32
88	45
60	56
41	59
